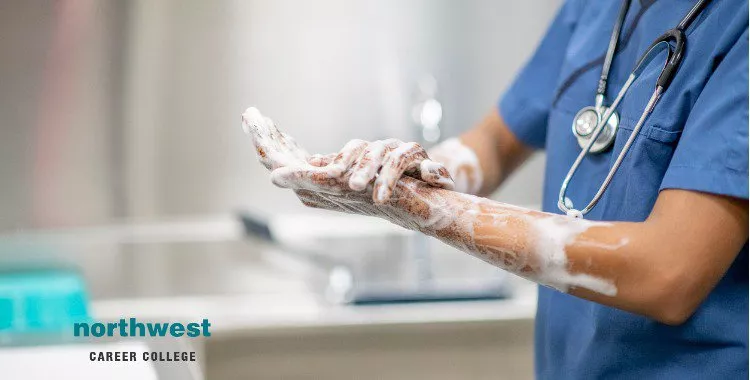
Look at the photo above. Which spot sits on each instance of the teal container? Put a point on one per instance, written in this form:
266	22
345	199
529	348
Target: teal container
41	301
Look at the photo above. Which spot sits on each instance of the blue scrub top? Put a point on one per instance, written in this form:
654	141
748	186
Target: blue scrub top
696	139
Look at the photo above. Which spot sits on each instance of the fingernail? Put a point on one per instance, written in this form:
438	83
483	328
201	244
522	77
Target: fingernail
441	177
445	183
358	182
380	194
335	170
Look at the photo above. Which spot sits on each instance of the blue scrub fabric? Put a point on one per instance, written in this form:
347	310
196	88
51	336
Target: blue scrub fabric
696	139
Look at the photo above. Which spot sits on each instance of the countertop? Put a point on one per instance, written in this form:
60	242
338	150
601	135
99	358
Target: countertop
204	267
261	312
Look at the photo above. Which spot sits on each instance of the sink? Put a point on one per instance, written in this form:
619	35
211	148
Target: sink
271	319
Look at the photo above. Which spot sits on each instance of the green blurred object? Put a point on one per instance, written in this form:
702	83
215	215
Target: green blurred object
41	301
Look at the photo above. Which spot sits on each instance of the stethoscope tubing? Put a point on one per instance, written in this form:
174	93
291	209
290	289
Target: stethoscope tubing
611	49
674	59
644	60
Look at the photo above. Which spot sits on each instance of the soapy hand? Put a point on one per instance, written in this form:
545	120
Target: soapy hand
357	166
344	181
274	148
383	163
528	243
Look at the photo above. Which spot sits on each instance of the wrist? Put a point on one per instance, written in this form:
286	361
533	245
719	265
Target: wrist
462	164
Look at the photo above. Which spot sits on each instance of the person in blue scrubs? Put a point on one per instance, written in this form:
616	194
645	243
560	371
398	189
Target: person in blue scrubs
696	140
675	253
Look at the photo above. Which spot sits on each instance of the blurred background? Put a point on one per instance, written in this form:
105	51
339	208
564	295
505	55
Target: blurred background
123	161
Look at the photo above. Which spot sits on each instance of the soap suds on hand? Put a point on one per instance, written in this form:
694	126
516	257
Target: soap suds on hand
462	164
528	243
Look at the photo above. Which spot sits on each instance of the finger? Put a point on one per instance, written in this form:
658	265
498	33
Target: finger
285	144
314	200
274	148
290	145
315	179
318	200
348	155
320	160
406	157
367	165
254	124
435	174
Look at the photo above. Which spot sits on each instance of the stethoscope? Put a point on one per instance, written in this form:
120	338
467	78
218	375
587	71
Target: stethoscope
595	127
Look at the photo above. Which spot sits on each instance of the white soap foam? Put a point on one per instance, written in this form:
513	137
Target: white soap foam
553	234
462	164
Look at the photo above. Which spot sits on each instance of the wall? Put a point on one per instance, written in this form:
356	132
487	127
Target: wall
114	110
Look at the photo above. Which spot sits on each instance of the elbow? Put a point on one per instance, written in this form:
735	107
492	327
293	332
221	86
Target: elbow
673	300
673	316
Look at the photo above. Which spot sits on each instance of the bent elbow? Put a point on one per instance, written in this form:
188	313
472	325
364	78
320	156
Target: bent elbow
673	316
674	300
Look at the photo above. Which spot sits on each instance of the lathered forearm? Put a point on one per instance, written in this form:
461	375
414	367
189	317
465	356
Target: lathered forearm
626	265
620	264
528	243
662	267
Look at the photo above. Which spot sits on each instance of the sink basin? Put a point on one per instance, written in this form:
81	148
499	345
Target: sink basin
271	319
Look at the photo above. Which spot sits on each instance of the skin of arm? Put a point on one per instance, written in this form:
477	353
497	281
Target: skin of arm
671	261
662	268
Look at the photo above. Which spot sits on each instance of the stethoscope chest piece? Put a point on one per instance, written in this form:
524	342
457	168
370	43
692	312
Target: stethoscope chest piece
585	122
